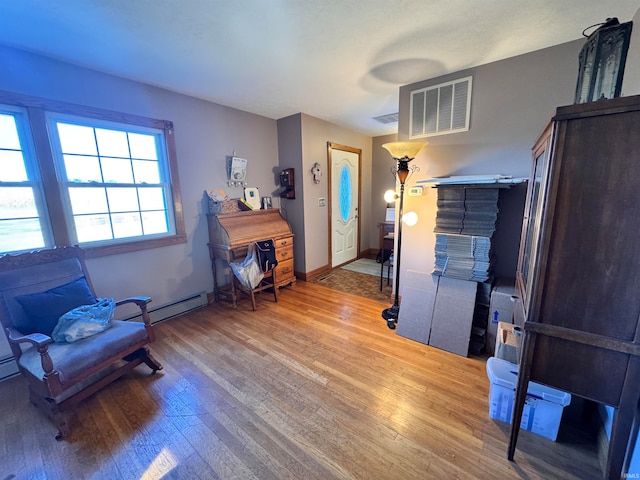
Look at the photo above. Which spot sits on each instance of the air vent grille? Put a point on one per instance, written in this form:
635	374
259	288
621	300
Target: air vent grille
441	109
388	118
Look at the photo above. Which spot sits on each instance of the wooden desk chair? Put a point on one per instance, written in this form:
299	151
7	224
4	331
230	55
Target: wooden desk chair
267	260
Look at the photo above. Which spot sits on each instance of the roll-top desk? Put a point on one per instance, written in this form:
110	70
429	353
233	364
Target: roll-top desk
231	233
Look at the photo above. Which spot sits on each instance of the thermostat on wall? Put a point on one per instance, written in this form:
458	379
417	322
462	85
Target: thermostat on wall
415	191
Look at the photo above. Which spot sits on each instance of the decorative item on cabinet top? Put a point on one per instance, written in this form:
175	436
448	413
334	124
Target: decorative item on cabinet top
219	202
602	61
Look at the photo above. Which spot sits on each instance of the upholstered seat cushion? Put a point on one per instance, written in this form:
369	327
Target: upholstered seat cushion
71	359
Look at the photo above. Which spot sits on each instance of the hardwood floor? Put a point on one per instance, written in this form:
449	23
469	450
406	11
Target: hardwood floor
313	387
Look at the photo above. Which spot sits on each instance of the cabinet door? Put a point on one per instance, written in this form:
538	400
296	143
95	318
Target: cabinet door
533	215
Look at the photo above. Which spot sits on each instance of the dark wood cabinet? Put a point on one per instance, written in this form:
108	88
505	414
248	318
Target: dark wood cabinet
578	275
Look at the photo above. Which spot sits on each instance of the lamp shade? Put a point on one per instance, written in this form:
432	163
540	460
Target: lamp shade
410	218
390	196
402	150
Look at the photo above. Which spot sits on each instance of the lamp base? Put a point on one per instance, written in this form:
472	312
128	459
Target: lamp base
391	316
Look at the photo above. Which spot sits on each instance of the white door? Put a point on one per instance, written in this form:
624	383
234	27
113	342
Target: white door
345	200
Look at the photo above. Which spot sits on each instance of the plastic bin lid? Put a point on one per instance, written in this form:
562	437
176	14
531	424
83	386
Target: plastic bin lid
505	374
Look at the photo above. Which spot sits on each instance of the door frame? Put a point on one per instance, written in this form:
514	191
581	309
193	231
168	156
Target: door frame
336	146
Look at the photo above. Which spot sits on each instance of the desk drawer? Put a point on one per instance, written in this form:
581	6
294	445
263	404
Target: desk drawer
284	271
284	242
283	254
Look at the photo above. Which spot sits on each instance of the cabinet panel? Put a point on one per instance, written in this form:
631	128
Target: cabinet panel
593	256
562	365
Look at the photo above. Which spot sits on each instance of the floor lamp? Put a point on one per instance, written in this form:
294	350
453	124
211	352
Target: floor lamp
403	153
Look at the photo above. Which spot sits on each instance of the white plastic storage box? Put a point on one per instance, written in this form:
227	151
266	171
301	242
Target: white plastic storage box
543	407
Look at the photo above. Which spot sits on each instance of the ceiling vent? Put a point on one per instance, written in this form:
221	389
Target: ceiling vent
388	118
441	109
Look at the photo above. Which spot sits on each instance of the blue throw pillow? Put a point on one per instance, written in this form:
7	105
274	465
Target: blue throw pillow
45	308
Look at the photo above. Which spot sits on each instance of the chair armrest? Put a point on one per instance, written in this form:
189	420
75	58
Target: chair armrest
38	340
142	303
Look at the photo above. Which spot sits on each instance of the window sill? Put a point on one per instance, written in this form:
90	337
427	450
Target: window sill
104	250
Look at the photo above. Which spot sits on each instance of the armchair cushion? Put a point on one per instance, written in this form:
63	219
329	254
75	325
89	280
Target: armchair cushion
45	308
72	359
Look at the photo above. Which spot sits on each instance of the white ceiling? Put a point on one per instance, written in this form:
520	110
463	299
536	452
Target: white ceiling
338	60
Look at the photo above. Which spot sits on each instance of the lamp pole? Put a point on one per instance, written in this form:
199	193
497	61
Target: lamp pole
391	314
403	153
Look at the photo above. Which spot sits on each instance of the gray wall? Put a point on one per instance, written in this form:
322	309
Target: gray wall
290	151
205	134
631	82
382	180
315	135
512	100
302	141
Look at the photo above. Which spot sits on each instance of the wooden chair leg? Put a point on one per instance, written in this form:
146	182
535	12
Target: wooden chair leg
151	362
50	408
253	300
275	287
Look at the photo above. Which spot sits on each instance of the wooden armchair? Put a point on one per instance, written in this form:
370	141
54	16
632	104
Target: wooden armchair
35	289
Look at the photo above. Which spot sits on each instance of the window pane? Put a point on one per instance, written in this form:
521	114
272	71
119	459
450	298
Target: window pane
17	202
151	199
112	143
23	234
88	200
126	225
154	222
123	199
12	166
20	227
146	171
92	228
116	170
77	139
8	132
143	146
82	169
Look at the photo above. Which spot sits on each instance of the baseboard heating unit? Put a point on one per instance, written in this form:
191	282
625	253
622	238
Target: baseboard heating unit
158	313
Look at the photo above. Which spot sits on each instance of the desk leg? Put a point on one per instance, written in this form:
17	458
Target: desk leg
216	292
234	290
521	391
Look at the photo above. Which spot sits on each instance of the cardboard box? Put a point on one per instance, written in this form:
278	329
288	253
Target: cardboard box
500	309
508	341
453	315
543	407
